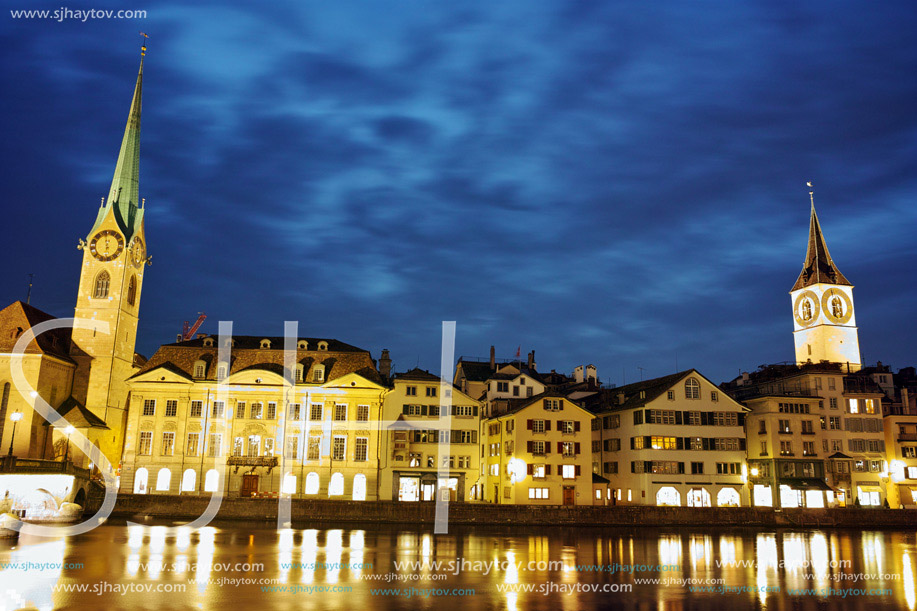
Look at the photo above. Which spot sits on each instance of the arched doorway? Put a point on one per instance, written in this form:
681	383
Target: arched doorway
728	497
336	487
289	484
163	480
699	497
359	487
140	481
312	483
668	496
188	479
211	481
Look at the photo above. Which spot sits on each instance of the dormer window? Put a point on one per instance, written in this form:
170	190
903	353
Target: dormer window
229	342
323	345
302	345
208	342
318	374
221	371
200	369
299	372
265	344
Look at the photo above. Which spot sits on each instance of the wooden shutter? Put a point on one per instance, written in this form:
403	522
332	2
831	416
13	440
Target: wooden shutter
528	424
529	446
547	425
578	470
547	469
531	468
678	418
576	426
576	448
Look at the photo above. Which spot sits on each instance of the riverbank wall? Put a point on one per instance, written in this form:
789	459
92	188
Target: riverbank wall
308	511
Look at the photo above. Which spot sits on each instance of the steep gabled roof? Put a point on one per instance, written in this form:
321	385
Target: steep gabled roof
818	266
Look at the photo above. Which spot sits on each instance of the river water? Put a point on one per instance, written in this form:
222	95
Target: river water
250	566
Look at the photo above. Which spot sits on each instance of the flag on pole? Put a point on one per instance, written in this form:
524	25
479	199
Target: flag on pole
518	352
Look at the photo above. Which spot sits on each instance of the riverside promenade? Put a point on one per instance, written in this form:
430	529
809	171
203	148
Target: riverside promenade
308	511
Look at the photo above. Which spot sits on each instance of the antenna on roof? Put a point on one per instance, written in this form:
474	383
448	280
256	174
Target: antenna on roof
28	297
641	372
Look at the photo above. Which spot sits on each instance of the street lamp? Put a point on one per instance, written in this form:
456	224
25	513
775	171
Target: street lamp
69	430
15	417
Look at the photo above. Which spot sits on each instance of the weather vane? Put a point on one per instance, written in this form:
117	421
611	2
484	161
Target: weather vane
143	46
811	193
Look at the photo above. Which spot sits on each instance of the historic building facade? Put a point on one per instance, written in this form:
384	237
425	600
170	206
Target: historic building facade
413	466
538	452
675	440
204	417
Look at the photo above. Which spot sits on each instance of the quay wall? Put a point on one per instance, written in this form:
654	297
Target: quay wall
306	511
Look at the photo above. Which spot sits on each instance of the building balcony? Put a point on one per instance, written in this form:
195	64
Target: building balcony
810	433
251	461
12	464
907	437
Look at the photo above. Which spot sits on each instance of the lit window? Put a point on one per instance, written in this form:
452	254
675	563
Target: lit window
168	443
145	447
569	471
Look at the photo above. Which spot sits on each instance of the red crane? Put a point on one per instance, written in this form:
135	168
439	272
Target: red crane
188	330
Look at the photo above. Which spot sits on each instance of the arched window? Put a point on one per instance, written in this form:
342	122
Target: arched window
188	480
336	487
668	496
200	369
289	484
132	290
698	497
302	344
163	480
728	497
323	345
101	285
359	487
140	480
312	483
211	480
692	389
221	371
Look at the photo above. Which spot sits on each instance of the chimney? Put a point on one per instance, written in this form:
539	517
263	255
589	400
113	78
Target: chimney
385	364
578	374
591	373
531	363
493	359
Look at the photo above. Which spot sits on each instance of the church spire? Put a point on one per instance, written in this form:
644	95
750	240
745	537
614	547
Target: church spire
124	195
818	266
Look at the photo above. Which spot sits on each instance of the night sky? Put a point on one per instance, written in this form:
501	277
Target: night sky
613	183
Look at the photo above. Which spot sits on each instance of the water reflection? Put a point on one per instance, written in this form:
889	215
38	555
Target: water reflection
363	560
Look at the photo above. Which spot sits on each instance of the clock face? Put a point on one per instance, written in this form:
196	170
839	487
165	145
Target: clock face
106	245
837	306
805	310
138	252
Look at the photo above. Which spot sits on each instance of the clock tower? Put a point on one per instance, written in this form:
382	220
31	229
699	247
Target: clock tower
111	279
824	326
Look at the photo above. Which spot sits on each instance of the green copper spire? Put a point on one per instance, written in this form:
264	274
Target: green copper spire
124	196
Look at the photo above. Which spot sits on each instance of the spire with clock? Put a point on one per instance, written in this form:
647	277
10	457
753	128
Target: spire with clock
824	326
111	279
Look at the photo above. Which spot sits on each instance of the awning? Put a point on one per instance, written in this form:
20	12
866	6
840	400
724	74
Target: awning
805	483
870	487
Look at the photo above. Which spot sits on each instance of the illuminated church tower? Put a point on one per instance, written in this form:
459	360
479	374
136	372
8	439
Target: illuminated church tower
824	326
111	278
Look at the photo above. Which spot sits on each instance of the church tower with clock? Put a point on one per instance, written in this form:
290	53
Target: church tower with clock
111	279
824	326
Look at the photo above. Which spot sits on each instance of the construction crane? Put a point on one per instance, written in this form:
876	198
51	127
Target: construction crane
188	330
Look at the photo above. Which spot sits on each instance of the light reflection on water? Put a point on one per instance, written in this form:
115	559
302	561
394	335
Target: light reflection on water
350	557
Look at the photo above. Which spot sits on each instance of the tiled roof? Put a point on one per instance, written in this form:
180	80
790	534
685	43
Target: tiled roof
516	405
339	360
18	317
421	375
606	399
475	371
78	415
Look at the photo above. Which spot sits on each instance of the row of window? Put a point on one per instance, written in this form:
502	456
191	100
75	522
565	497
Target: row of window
289	483
543	426
256	410
661	442
697	468
416	459
434	410
411	391
256	445
857	425
672	417
542	471
440	436
541	448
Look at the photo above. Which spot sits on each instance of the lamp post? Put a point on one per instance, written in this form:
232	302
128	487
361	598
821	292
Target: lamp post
69	430
15	417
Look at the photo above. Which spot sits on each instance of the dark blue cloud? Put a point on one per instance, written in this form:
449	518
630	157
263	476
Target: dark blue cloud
602	182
